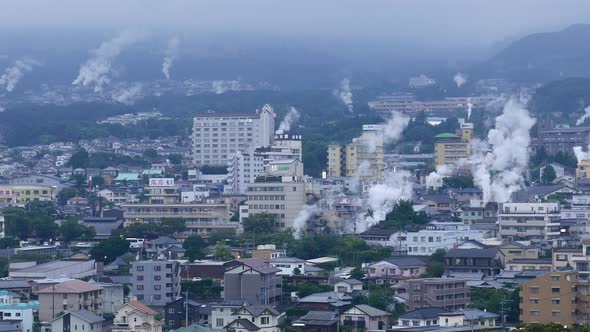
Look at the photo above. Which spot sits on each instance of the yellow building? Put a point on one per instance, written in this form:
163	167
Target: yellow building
583	170
26	194
449	148
362	157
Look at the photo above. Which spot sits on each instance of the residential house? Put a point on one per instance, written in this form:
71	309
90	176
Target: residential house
253	280
135	316
175	313
395	268
326	301
222	313
104	227
161	245
365	318
443	203
261	318
317	321
420	317
267	252
563	257
489	261
69	295
13	309
348	286
472	318
288	265
517	250
77	320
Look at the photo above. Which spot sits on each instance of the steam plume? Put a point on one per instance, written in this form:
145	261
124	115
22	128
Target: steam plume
171	53
469	107
300	221
220	87
345	94
128	95
499	163
96	70
460	79
580	154
583	117
442	171
291	117
394	127
12	75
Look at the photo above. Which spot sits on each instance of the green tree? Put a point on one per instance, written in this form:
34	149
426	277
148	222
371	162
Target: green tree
403	214
458	181
548	175
195	247
357	273
109	249
65	194
71	230
151	155
171	226
222	252
259	223
436	265
381	297
98	181
79	159
8	242
175	159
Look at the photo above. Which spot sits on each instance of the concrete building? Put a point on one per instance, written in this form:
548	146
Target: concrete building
583	170
516	250
242	169
201	217
268	252
364	317
77	320
528	221
447	293
450	148
364	155
563	140
282	192
155	282
71	268
69	295
551	298
216	136
254	281
286	147
12	309
112	296
23	194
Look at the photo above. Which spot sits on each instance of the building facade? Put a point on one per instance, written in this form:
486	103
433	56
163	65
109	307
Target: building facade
12	309
217	136
550	298
254	281
69	296
447	293
528	221
450	148
155	282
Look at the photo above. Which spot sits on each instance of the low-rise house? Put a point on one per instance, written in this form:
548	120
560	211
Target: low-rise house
255	318
135	316
529	264
268	252
488	261
12	309
364	317
69	295
314	321
252	280
288	265
348	286
563	257
175	313
427	316
395	268
160	245
327	301
77	320
474	318
222	313
516	250
105	227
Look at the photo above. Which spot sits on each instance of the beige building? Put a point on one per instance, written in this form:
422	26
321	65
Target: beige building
563	257
583	170
69	296
447	293
135	316
517	250
363	157
450	148
550	298
201	217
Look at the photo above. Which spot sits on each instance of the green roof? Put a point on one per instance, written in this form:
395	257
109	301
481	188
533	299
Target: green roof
446	135
128	177
153	171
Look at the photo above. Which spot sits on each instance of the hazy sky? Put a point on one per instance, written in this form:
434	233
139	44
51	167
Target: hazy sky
439	23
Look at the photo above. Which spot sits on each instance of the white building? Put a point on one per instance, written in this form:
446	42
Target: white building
2	227
285	147
13	310
528	221
259	318
287	265
135	316
243	168
78	320
217	136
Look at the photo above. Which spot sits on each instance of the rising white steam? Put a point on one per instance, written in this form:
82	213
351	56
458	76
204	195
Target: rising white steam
171	54
499	163
128	95
460	79
12	75
289	119
469	108
381	197
345	94
96	71
583	117
300	221
394	127
434	179
220	87
580	154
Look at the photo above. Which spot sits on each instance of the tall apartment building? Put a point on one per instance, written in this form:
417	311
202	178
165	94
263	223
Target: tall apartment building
552	298
528	221
363	157
216	136
155	282
203	217
450	148
286	147
555	140
282	192
242	170
447	293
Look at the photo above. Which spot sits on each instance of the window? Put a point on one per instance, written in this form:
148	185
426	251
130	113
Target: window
555	301
534	301
554	278
171	310
264	320
157	297
555	290
219	322
157	278
157	287
555	314
139	268
139	278
534	290
139	287
171	323
65	296
535	313
157	268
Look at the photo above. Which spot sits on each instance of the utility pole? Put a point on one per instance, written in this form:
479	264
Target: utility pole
502	303
186	324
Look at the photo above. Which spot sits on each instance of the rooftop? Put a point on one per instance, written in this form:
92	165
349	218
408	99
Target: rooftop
74	286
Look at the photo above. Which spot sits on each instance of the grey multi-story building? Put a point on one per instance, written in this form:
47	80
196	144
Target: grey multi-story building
555	140
155	282
447	293
252	280
217	136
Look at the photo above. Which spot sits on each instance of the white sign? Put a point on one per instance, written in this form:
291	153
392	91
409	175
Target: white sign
161	182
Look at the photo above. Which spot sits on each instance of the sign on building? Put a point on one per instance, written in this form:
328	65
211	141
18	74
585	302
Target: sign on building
161	182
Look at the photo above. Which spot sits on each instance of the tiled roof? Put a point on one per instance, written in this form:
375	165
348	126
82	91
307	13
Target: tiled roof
142	307
71	287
